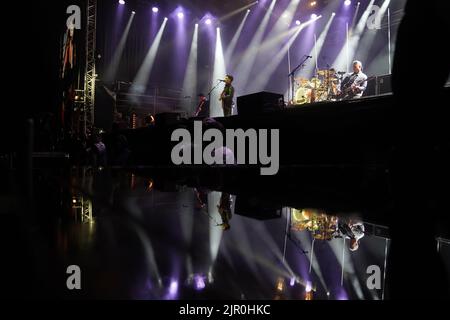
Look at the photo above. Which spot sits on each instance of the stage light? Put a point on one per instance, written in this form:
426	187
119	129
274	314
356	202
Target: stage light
210	277
333	14
292	282
297	22
173	288
215	108
208	21
232	45
280	284
313	16
155	9
133	12
247	60
347	2
312	3
111	71
308	287
180	15
309	295
199	282
140	80
196	24
121	2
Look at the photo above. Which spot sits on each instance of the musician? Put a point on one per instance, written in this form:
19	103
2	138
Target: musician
202	107
353	230
224	209
354	84
227	96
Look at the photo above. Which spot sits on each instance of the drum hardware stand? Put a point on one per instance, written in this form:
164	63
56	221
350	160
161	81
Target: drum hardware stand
291	76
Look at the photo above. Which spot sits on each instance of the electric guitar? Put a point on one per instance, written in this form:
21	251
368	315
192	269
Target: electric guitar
348	91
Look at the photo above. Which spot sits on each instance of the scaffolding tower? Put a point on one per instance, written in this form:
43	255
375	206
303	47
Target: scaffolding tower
90	75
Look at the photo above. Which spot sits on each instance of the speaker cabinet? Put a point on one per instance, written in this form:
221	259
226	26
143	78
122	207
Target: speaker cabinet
384	84
260	102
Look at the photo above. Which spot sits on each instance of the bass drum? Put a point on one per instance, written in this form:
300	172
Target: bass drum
303	95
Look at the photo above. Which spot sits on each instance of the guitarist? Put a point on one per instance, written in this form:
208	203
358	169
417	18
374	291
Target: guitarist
353	84
227	96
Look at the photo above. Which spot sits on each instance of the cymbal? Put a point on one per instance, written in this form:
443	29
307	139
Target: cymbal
332	80
322	72
302	82
315	82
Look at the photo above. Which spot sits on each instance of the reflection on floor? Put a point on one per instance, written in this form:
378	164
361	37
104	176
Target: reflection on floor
136	238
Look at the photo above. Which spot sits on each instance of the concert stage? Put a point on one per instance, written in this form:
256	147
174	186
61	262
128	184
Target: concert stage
356	132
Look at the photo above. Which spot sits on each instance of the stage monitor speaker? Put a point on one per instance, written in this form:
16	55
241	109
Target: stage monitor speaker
371	89
384	84
260	102
253	208
167	119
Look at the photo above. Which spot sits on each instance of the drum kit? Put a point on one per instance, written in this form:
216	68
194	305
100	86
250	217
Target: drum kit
324	86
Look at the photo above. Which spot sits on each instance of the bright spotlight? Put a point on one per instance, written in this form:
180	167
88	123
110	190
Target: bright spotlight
248	10
165	19
121	2
155	9
308	287
333	14
180	15
280	284
313	16
347	2
199	282
196	24
133	12
208	21
173	288
292	282
312	3
297	22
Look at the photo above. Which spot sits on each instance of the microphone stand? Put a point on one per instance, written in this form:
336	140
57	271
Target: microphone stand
292	73
210	91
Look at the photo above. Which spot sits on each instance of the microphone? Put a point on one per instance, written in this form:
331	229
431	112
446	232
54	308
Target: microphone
220	80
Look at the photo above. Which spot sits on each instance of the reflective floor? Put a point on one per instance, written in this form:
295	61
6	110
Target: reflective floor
136	237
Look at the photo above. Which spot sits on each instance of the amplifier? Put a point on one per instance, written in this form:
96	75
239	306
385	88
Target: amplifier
260	102
384	84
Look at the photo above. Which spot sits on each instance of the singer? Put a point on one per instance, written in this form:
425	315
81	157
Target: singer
227	96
